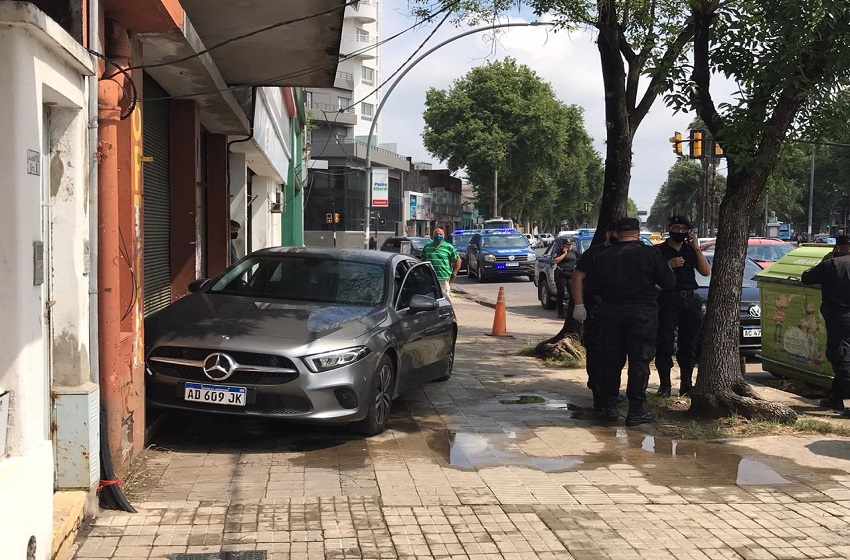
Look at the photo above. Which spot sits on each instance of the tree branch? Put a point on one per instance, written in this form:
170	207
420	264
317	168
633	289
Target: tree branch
660	73
701	75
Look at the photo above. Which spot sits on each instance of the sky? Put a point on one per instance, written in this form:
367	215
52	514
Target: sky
569	61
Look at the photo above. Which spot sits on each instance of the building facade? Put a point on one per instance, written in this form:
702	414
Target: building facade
129	149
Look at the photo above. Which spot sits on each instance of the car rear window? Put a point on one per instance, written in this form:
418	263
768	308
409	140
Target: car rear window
750	271
305	279
771	253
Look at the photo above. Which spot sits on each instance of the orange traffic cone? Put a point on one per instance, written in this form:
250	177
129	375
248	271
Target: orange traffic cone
500	327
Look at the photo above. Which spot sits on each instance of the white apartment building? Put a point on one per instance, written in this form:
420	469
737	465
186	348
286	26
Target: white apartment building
358	74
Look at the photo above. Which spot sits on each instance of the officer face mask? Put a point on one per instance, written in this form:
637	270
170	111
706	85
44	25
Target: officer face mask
678	236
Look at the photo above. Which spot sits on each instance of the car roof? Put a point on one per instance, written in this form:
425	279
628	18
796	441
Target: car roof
359	255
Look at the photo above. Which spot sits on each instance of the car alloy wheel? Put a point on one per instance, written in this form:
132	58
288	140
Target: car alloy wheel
543	294
450	365
380	400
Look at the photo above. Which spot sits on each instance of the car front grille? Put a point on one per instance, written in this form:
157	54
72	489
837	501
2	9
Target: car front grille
515	258
253	369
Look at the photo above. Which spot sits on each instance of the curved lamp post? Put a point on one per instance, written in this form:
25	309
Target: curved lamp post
386	96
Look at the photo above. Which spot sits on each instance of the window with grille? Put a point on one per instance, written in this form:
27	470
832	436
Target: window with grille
367	110
343	103
368	75
362	35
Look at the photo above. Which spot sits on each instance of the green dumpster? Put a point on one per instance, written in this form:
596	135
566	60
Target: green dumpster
793	340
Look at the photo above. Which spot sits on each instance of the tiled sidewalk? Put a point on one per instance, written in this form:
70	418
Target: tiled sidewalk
468	473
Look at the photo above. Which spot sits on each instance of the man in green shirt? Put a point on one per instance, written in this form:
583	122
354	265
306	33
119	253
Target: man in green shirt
444	258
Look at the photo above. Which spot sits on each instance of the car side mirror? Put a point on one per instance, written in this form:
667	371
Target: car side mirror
197	285
420	303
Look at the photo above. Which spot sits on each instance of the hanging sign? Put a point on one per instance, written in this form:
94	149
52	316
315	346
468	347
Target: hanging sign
380	187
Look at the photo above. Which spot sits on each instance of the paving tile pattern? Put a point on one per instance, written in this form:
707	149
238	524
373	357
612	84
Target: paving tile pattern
463	476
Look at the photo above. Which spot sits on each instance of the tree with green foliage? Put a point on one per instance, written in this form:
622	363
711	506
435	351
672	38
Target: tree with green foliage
678	194
502	117
791	61
636	40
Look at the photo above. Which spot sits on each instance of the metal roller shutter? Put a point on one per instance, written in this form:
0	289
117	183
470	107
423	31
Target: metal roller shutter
157	200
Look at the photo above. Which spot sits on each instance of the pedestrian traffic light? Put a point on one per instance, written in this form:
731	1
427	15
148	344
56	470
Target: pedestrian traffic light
329	218
696	144
337	217
677	140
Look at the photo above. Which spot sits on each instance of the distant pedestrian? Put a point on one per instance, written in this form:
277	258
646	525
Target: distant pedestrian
625	276
833	275
444	258
373	243
235	253
679	313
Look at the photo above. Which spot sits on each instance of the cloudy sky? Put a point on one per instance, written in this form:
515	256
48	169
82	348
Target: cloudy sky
569	61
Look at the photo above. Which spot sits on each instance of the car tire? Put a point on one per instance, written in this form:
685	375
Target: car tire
448	373
380	400
543	294
481	276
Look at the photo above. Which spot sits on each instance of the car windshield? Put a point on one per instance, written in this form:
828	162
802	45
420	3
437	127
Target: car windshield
585	243
771	253
750	271
460	241
305	279
514	241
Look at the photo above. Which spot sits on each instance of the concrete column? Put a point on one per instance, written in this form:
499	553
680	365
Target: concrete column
239	199
218	205
185	138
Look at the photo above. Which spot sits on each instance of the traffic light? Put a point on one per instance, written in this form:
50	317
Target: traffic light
696	144
719	152
677	140
329	218
337	217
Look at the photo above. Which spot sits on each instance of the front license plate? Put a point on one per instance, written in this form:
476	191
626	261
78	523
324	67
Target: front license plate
752	333
510	264
215	394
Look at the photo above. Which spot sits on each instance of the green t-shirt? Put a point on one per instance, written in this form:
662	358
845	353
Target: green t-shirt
441	257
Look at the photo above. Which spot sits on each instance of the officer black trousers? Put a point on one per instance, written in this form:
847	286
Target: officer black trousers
679	328
838	353
625	331
562	286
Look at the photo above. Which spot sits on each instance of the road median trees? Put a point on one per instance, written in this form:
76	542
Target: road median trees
791	60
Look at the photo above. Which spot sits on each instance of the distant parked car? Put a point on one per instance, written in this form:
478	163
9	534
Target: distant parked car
393	245
324	335
547	239
460	239
764	250
533	241
495	253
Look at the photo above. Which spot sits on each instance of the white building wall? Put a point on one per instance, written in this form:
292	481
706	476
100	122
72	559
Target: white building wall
239	202
263	232
41	67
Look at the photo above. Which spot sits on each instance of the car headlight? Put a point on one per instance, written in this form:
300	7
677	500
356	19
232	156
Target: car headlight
532	257
489	258
336	359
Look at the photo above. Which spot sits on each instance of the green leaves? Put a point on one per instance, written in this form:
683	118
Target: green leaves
502	115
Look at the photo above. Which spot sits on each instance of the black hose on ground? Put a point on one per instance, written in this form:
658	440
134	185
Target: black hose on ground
110	493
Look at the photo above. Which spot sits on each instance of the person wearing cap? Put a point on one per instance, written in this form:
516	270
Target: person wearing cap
833	275
444	258
625	276
678	309
565	264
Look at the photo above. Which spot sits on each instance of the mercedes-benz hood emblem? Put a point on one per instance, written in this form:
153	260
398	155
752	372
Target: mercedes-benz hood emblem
219	367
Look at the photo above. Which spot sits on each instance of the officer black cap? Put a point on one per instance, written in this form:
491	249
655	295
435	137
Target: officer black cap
679	221
628	224
842	240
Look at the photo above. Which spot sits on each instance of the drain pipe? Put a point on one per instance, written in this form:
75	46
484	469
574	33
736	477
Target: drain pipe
93	44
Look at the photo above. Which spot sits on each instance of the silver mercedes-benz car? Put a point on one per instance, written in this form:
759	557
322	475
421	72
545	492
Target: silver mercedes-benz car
303	334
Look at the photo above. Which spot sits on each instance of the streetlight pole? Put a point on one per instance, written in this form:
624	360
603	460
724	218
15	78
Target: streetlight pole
395	83
496	191
811	191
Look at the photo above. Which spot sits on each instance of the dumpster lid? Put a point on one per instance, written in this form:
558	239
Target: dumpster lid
794	264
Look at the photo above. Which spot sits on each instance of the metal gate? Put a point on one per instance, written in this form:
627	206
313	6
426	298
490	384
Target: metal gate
157	200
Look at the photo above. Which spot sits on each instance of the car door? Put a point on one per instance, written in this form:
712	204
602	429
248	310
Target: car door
424	336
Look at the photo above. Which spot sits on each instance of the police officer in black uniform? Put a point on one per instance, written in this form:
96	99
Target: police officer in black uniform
627	276
585	309
678	309
833	275
565	264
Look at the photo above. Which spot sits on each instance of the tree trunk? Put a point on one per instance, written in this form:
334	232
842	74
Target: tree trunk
619	136
720	388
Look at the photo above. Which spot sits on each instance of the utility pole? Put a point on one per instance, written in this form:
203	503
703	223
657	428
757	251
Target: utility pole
811	191
496	191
